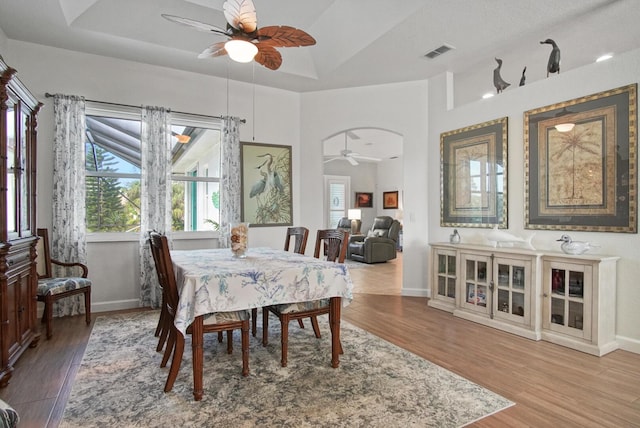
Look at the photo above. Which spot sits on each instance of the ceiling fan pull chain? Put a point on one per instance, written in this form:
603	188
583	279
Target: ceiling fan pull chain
253	82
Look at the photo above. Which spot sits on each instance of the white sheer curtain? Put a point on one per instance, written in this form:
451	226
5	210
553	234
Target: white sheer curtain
155	195
230	187
68	235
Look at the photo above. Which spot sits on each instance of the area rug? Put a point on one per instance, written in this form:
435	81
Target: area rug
377	384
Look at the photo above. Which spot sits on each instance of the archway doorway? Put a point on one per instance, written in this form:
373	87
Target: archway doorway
368	162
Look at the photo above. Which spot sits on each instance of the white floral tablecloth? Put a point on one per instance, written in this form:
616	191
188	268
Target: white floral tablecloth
212	280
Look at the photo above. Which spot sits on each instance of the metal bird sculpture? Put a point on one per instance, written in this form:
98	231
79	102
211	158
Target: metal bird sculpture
242	24
569	246
498	82
553	65
523	78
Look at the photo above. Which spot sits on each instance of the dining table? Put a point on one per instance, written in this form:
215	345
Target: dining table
214	280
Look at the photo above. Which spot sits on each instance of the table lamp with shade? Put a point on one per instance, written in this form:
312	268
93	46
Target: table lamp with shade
354	215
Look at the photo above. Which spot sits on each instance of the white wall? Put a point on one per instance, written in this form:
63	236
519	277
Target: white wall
114	265
621	70
3	42
401	108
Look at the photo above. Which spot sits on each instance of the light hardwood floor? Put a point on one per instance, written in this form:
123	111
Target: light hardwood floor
552	386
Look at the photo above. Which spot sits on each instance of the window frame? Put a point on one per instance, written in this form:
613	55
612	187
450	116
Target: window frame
94	108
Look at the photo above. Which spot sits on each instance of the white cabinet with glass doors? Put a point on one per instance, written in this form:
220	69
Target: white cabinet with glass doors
579	302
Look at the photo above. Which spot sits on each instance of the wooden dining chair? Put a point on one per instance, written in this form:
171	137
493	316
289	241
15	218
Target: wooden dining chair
213	323
52	289
164	321
299	235
335	242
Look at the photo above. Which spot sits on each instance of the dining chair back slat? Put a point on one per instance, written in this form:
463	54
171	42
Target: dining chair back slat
300	234
335	244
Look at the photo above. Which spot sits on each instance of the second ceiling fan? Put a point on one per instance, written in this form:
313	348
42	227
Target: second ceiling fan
243	34
349	155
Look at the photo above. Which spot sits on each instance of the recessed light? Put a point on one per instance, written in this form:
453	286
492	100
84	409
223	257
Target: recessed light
604	57
487	95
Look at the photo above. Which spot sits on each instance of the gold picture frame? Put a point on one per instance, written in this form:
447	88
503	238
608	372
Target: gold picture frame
266	184
585	178
390	200
473	175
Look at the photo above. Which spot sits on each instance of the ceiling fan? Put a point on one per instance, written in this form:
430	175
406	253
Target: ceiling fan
245	41
350	155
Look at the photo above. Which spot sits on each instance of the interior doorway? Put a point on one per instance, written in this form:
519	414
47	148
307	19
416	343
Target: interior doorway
371	161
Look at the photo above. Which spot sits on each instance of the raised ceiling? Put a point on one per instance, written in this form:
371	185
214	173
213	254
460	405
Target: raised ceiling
359	42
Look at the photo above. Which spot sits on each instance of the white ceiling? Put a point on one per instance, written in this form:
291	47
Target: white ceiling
359	42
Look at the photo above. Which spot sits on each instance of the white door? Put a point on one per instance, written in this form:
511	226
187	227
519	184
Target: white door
337	199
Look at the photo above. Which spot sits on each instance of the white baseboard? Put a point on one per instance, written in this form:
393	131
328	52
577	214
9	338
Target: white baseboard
114	305
628	344
416	292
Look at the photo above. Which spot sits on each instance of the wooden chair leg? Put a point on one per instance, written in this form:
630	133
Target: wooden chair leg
265	326
175	361
254	321
300	323
220	337
245	348
171	343
284	339
316	327
87	305
48	309
229	341
164	332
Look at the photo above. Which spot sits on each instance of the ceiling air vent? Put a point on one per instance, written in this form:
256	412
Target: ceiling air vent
439	51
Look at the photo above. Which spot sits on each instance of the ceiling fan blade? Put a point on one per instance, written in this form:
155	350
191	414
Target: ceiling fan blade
241	15
195	24
216	49
268	56
366	158
353	135
351	160
284	36
330	160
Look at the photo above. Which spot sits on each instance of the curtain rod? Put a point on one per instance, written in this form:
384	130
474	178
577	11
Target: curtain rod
48	95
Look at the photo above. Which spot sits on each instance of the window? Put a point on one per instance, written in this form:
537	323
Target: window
113	171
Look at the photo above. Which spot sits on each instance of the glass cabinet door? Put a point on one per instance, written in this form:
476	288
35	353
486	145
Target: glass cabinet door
446	275
12	159
567	287
23	174
512	289
477	279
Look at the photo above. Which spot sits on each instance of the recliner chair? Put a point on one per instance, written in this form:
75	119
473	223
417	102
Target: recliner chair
345	224
379	244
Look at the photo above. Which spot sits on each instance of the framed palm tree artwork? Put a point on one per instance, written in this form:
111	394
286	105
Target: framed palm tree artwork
266	184
580	163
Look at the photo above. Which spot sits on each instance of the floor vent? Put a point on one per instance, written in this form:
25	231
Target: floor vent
439	51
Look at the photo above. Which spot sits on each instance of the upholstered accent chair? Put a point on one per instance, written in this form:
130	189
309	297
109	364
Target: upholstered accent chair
379	244
217	322
51	289
335	241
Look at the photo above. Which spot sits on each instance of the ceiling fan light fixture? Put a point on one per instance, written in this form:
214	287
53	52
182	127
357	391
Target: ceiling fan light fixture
241	50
